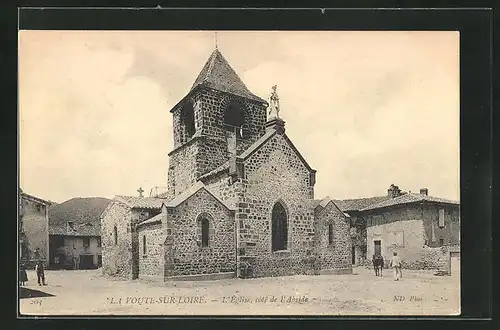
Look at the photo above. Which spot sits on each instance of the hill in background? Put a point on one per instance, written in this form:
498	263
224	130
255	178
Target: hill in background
78	211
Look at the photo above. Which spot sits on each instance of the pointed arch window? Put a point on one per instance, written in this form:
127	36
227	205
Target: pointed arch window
279	227
330	233
204	232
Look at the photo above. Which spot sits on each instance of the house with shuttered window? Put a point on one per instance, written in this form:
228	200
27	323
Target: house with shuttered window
423	230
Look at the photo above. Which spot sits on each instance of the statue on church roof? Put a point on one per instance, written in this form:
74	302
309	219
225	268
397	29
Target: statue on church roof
274	104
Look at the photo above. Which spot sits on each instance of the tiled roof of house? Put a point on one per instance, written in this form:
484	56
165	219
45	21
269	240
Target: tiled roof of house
33	198
219	75
77	217
358	204
136	202
407	199
79	229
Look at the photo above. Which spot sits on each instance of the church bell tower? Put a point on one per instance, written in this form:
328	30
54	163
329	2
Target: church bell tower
218	119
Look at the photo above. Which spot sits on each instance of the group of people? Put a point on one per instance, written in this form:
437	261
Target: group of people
39	270
378	265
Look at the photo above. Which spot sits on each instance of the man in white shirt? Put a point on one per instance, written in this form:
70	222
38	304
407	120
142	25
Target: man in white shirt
396	264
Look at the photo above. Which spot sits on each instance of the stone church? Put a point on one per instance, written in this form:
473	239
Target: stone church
240	199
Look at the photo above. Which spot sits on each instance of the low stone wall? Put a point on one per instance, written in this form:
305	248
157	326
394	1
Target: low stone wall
432	259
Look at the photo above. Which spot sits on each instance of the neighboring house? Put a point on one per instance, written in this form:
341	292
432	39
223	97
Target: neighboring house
240	199
33	229
75	233
423	230
358	224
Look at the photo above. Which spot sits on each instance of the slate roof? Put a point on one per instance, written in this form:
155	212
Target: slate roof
358	204
136	202
179	199
407	199
325	201
321	202
156	219
219	75
254	147
219	169
257	144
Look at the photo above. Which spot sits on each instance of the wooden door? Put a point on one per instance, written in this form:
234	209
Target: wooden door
377	248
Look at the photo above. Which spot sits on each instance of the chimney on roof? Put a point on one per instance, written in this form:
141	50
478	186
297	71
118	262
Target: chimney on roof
140	191
424	191
393	191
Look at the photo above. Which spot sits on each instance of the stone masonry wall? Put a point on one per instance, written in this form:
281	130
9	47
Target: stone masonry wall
116	259
182	168
178	126
434	258
213	106
184	253
223	186
274	173
151	261
137	216
35	225
335	256
407	231
208	148
450	233
212	153
404	235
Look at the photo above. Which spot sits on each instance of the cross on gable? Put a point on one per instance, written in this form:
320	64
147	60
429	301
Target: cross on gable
140	191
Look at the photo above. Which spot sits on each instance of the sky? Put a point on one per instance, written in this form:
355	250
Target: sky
365	109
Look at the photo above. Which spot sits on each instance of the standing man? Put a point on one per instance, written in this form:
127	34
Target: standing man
380	263
76	259
40	272
396	264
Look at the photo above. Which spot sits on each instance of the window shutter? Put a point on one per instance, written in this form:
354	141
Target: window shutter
441	218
